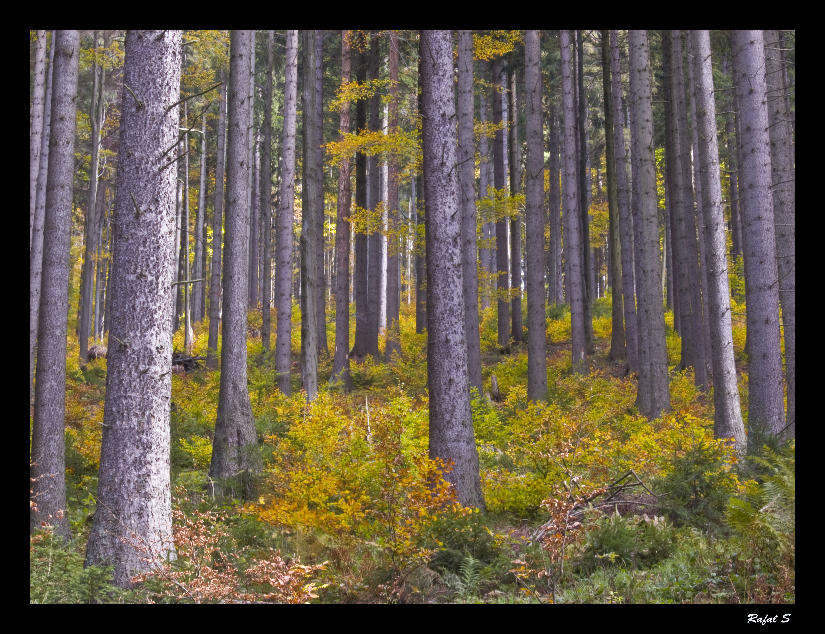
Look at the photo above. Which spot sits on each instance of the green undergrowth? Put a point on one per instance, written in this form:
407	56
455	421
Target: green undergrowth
350	508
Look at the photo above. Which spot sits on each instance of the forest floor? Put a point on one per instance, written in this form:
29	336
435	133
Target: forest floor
586	500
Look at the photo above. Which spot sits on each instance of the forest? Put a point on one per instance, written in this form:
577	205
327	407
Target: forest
397	316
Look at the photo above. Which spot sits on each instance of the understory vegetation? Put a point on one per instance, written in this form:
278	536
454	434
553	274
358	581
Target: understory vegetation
587	501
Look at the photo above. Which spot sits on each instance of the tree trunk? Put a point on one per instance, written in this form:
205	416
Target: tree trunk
340	364
199	272
188	334
48	463
312	206
317	154
534	216
625	216
515	222
215	289
266	193
451	422
284	236
393	344
618	349
499	182
653	396
588	277
766	415
373	197
572	218
783	180
36	253
234	451
361	344
132	527
727	414
554	268
36	126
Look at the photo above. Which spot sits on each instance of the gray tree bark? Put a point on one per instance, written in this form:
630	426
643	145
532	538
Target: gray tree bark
373	198
200	215
515	222
653	395
340	363
38	103
285	217
451	423
499	182
234	451
625	217
266	193
48	464
36	253
393	291
312	207
466	184
215	288
534	216
318	160
132	528
555	295
783	181
361	344
727	413
573	247
766	410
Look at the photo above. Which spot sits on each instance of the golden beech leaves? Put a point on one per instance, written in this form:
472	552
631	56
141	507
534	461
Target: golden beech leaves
495	43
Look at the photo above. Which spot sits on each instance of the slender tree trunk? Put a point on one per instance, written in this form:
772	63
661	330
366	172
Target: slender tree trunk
36	127
515	222
766	411
588	277
484	182
318	159
572	218
361	344
534	216
266	193
48	463
36	253
189	335
625	216
284	236
215	289
783	180
373	197
199	287
90	232
451	422
340	364
618	349
727	414
132	527
554	268
312	206
252	278
499	176
393	344
234	451
653	396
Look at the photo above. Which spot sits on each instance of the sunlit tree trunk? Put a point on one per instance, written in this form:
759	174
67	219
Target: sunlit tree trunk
199	272
215	288
515	222
266	193
285	217
48	464
451	424
534	216
36	126
393	344
132	528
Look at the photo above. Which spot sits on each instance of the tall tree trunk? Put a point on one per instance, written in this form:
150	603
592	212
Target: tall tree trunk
487	255
36	127
373	197
466	191
573	246
285	217
266	192
766	410
361	344
215	288
318	159
132	528
588	277
653	395
515	222
499	182
340	363
625	216
234	454
727	414
48	463
783	180
189	335
312	206
36	253
554	268
199	272
393	344
252	279
451	422
90	232
534	216
618	349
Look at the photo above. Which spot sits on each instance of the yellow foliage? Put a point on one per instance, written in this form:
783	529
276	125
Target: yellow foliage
495	43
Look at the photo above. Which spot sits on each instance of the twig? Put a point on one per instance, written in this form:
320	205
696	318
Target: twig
203	92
